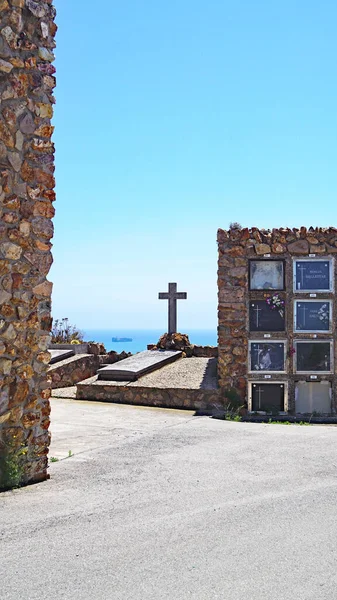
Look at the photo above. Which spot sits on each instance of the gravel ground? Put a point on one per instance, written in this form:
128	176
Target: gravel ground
67	392
192	373
186	373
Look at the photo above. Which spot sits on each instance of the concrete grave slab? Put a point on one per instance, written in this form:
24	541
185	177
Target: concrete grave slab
58	355
130	369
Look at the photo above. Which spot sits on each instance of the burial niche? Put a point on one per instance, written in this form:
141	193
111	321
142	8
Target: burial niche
265	356
313	356
263	317
313	396
266	275
267	397
311	275
312	315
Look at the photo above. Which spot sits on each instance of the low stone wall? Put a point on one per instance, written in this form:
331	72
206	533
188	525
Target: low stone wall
76	348
112	357
83	348
198	351
199	400
71	370
205	351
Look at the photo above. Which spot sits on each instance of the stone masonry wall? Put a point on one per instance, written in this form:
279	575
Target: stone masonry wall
27	31
236	247
70	371
198	351
193	399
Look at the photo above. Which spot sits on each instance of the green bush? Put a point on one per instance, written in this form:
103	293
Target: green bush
11	466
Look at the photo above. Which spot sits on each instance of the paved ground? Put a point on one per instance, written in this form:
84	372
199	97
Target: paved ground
162	505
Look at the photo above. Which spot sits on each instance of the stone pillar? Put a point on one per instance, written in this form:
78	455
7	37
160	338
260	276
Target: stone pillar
232	323
27	31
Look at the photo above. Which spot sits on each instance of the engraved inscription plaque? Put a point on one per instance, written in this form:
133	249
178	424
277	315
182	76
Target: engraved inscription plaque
268	397
263	318
312	315
313	275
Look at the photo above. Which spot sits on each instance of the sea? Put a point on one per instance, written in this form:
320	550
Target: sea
141	338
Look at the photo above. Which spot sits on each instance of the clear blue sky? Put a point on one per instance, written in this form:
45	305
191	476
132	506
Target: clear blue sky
173	119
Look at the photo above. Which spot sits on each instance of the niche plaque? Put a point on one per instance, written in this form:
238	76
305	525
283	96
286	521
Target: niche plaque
313	275
313	356
264	318
266	274
267	356
312	315
267	397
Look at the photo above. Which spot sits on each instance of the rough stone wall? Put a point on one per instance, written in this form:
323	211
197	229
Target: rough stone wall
236	247
201	400
198	351
27	31
70	371
205	351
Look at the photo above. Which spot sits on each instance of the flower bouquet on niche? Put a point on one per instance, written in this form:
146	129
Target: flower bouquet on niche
275	302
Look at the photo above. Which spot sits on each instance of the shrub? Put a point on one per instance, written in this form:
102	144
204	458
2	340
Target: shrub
234	405
64	333
11	466
235	225
233	397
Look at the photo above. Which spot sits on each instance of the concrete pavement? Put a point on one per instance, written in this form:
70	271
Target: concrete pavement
161	505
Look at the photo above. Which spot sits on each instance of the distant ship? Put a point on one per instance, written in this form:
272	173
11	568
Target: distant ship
118	339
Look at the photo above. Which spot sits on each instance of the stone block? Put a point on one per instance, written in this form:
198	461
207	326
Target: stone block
262	249
298	247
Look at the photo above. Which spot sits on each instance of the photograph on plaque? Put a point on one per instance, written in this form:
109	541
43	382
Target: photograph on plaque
267	397
312	315
266	274
313	275
262	317
265	356
313	357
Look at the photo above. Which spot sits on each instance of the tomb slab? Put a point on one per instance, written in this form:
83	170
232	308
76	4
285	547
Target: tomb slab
58	355
130	369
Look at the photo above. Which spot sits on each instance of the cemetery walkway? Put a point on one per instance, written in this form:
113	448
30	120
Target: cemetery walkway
161	505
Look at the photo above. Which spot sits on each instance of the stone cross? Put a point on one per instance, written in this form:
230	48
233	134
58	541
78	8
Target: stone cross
172	296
